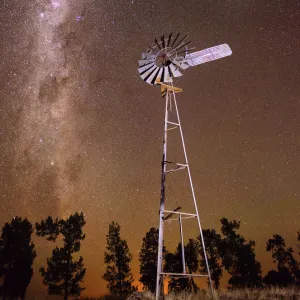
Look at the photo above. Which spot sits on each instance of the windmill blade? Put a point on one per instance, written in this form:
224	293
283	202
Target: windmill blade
151	74
148	55
148	72
179	58
167	76
159	76
151	78
209	54
175	39
151	48
175	71
175	46
181	46
145	68
169	39
180	65
158	45
144	62
163	41
186	51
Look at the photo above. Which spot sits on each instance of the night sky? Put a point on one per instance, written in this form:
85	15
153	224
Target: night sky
80	130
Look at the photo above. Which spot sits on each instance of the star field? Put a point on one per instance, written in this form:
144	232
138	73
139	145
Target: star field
80	131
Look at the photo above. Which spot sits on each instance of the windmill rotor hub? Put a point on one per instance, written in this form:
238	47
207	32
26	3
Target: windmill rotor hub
164	57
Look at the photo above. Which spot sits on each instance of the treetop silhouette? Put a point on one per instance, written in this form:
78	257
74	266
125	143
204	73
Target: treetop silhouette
117	257
287	267
63	275
16	258
238	257
148	260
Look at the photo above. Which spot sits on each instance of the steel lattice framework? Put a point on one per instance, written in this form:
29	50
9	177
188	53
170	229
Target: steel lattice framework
163	61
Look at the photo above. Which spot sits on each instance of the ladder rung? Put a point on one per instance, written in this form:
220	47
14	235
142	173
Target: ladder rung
184	218
175	127
181	274
177	169
172	123
180	213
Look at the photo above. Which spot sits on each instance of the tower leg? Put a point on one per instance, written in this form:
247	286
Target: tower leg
193	194
182	245
159	277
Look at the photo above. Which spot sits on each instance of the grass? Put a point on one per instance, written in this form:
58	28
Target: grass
245	294
292	293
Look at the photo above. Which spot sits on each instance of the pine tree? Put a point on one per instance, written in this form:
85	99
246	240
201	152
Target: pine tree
16	258
212	241
191	251
287	267
298	271
117	257
238	257
148	260
173	264
299	241
63	274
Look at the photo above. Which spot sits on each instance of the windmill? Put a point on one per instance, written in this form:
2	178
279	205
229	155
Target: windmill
164	60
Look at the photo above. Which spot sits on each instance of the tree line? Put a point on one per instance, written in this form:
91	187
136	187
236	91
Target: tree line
63	273
226	251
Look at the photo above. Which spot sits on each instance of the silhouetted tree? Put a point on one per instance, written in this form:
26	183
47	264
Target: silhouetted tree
63	274
298	272
148	260
117	257
191	251
173	264
299	241
16	258
278	278
238	257
212	241
287	267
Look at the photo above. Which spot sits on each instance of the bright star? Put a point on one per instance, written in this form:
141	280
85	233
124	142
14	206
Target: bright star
55	3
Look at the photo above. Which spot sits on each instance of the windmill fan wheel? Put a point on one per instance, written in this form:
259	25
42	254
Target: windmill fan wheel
162	61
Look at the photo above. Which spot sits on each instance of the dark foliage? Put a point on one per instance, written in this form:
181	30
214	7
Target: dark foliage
148	260
212	242
117	257
191	251
278	278
16	258
298	241
238	257
63	274
287	267
173	264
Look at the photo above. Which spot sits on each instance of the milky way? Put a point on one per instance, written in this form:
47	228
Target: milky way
48	149
80	131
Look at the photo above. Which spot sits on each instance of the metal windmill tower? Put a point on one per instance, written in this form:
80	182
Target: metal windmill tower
159	65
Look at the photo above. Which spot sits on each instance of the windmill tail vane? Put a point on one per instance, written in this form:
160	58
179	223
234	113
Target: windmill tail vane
169	56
